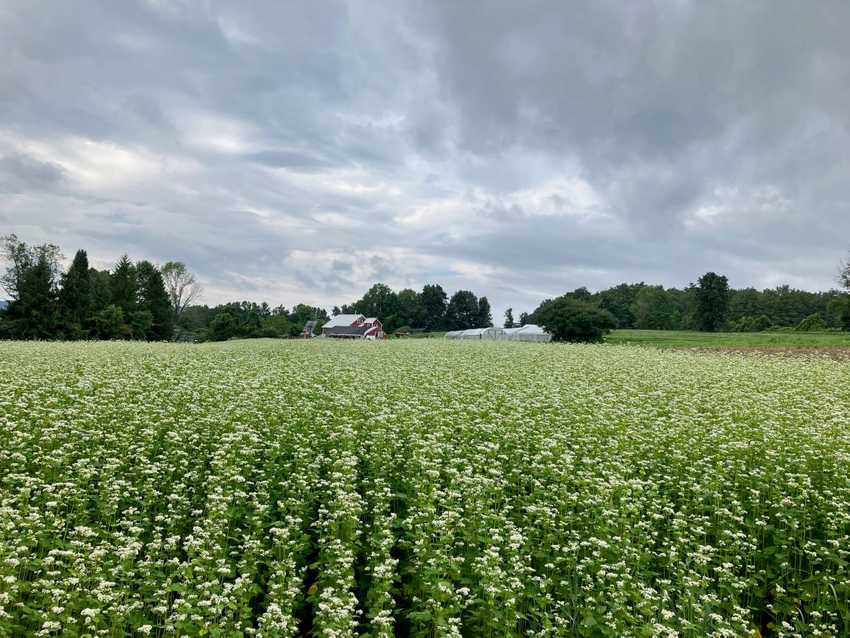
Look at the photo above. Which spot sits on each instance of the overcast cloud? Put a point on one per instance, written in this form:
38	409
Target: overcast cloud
300	151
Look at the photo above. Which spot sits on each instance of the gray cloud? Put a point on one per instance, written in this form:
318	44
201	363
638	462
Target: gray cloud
298	153
20	172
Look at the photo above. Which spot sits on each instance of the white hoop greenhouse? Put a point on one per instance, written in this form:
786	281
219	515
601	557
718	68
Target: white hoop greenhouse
528	332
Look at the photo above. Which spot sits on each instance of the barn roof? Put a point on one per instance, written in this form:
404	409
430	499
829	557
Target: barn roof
342	320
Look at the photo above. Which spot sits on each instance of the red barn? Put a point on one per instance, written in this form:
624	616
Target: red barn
353	327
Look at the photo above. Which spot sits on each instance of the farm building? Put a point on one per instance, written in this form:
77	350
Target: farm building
475	333
309	329
528	332
353	327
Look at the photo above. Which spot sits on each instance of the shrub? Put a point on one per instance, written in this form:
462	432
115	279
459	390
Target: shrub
750	324
812	323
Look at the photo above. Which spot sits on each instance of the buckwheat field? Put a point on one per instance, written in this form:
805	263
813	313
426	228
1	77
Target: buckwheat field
421	488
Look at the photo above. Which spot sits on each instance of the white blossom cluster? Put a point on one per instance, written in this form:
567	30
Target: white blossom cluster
278	489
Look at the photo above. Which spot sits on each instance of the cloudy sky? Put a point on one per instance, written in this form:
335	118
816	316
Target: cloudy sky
300	151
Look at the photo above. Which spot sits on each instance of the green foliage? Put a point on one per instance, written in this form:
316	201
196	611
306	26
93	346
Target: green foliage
124	288
410	310
154	300
569	319
654	309
750	324
277	326
428	311
302	313
463	312
140	324
812	323
712	297
223	326
381	302
434	305
783	306
109	322
31	281
101	290
620	301
75	297
509	318
485	315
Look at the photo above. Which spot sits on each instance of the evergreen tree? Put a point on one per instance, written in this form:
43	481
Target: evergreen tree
100	285
124	287
154	299
75	297
523	318
509	318
30	280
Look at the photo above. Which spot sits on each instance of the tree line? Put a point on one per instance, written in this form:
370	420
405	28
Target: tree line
709	305
128	302
429	310
406	310
246	320
138	300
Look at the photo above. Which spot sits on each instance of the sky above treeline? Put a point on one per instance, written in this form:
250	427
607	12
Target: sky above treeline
301	151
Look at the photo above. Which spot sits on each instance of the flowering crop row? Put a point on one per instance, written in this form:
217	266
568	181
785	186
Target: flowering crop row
421	488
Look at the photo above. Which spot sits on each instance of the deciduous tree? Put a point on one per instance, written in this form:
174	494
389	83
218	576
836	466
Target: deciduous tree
462	312
569	319
712	296
434	305
182	286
